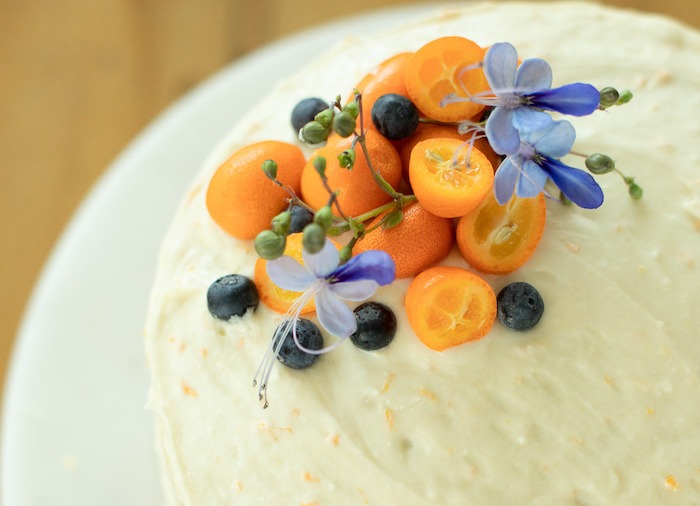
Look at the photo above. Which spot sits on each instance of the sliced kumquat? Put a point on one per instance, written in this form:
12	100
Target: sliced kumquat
447	306
358	190
499	239
419	241
388	77
449	177
429	131
241	199
444	67
273	296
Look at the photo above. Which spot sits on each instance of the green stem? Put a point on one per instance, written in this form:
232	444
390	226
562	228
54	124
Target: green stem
386	187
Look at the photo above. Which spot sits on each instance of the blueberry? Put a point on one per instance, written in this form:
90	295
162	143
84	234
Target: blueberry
520	306
376	326
306	110
309	337
395	116
231	295
300	218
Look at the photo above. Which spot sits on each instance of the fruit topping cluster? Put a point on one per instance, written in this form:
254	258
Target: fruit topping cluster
452	144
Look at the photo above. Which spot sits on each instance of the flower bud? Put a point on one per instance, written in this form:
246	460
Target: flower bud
599	163
353	108
270	245
635	191
344	124
347	158
325	118
269	167
314	238
324	218
625	97
313	133
345	254
320	166
281	222
608	97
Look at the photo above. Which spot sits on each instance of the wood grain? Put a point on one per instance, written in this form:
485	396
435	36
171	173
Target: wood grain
80	78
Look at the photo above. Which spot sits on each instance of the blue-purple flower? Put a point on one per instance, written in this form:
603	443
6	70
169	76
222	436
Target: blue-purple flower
322	278
523	93
526	171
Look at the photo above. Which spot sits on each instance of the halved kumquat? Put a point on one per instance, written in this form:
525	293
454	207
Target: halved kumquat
444	67
447	306
498	239
449	177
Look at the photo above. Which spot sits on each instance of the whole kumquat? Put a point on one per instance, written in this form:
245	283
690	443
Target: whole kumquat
358	190
449	177
498	239
388	77
241	199
444	67
419	241
447	306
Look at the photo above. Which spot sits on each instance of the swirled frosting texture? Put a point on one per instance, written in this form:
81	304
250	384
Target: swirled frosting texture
599	404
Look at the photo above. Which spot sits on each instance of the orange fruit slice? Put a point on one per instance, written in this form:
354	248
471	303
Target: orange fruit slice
359	192
273	296
448	177
447	306
446	66
498	239
429	131
241	199
420	240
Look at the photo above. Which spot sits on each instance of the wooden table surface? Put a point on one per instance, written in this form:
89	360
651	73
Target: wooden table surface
80	78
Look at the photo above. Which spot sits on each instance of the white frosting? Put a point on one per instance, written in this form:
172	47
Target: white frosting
596	405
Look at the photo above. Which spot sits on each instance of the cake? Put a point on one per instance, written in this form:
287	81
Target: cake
596	404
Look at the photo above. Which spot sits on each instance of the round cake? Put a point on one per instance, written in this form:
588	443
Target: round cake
595	404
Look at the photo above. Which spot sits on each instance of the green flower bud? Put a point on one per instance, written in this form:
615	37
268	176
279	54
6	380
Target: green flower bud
269	167
320	166
270	245
324	218
345	254
353	108
635	191
281	222
313	133
344	124
608	97
625	97
325	118
599	163
314	238
347	158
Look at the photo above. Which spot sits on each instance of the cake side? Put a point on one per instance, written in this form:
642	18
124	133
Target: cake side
590	407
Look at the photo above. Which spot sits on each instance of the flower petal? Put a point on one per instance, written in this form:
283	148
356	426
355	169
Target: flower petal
321	264
531	181
500	64
533	74
354	290
501	133
289	274
504	180
334	315
528	120
556	141
577	185
376	265
577	99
